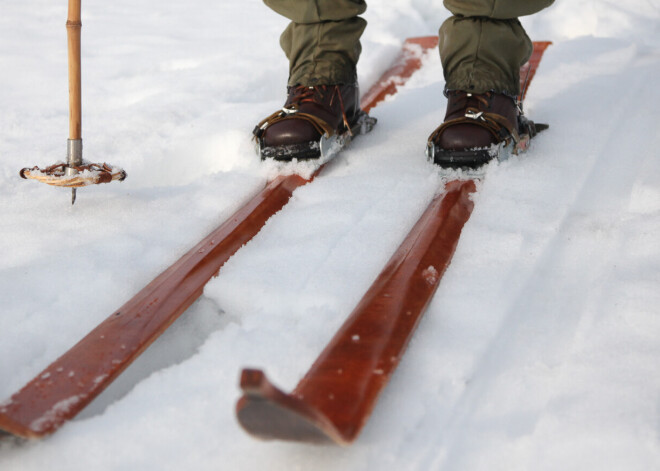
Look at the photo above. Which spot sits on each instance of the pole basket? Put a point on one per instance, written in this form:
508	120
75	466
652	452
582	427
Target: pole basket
69	176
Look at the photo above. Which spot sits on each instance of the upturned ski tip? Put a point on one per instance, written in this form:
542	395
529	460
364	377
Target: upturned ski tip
266	412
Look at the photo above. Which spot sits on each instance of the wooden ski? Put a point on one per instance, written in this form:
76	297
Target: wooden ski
69	384
335	398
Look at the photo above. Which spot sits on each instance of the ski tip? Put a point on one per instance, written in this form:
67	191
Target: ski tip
267	413
254	383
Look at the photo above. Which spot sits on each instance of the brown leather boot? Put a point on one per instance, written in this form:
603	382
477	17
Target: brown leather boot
475	129
309	116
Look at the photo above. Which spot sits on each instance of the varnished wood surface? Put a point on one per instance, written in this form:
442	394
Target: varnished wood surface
339	391
64	388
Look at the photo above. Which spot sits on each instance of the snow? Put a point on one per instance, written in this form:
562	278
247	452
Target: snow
60	408
540	349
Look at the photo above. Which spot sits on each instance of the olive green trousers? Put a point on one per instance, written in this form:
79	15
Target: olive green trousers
482	46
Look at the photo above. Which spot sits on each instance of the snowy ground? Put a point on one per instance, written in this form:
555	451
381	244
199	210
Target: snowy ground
541	349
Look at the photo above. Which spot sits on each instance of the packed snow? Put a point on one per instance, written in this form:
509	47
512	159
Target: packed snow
541	348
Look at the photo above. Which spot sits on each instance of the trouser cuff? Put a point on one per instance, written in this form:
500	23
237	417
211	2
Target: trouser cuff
482	54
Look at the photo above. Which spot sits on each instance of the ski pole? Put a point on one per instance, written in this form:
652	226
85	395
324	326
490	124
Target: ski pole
74	143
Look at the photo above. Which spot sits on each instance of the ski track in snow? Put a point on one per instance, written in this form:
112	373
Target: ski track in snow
540	349
546	344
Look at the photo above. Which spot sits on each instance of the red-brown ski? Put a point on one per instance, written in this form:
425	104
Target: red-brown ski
62	390
335	398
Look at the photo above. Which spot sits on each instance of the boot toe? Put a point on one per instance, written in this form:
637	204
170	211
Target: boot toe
465	137
290	131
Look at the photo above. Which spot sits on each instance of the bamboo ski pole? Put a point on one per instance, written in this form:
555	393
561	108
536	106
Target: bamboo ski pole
74	143
74	172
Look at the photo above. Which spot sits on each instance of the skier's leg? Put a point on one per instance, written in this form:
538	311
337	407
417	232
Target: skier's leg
322	42
483	45
482	48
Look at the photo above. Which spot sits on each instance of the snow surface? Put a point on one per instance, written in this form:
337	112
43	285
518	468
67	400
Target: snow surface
541	348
